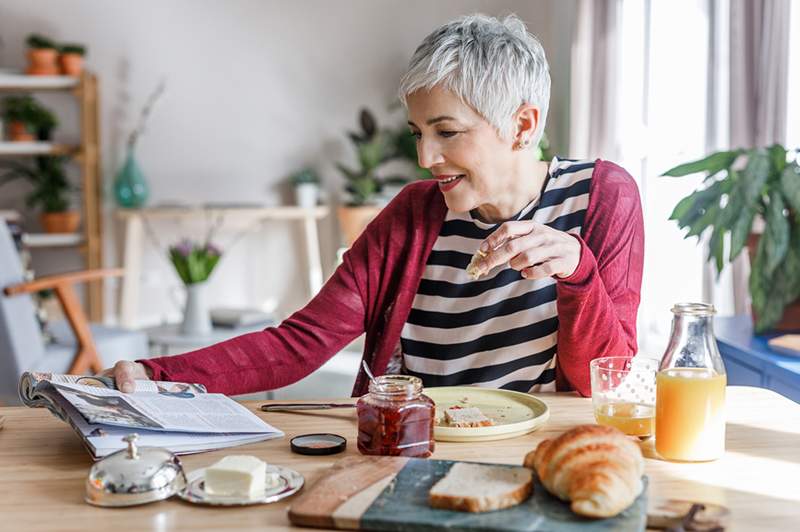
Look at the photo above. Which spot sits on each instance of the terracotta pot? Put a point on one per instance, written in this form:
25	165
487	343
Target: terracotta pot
71	64
42	62
61	222
353	220
18	132
791	314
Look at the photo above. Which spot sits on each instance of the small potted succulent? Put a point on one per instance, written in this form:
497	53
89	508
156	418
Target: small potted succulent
42	56
306	187
51	191
71	59
27	119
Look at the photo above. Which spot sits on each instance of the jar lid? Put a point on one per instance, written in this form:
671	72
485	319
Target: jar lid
136	475
318	444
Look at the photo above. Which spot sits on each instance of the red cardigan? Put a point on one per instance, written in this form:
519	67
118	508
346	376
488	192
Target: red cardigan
372	291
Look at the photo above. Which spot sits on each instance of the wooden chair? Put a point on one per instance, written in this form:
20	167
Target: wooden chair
79	347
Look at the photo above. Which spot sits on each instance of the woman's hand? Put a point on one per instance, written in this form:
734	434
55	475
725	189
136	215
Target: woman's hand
534	249
125	372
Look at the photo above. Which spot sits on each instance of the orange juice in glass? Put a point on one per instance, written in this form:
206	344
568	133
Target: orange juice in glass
690	389
623	393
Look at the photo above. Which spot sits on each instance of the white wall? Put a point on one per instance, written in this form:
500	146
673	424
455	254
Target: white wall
255	90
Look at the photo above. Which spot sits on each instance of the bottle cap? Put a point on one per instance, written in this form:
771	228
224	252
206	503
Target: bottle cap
318	444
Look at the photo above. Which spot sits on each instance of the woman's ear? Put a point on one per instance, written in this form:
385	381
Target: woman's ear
527	122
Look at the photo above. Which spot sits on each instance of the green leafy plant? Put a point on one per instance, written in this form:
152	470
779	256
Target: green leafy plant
51	188
306	175
40	42
733	195
193	261
36	117
72	48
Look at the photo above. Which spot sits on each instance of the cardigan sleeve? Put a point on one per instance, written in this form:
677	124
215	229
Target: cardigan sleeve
597	304
279	356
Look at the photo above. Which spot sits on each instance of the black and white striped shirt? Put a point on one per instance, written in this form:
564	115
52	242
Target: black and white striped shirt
501	330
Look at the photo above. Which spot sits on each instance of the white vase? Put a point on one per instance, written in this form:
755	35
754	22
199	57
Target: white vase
306	195
196	317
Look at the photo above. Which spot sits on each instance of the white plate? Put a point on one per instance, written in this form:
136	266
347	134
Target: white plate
513	413
289	483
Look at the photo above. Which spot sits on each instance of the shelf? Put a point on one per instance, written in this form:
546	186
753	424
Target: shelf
14	81
283	212
22	149
52	240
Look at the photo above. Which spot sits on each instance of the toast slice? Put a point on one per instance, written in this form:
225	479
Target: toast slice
472	267
458	416
481	488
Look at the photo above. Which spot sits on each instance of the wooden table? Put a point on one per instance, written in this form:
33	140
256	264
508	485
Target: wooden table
43	467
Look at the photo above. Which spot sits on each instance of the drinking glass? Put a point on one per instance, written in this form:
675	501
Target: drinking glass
624	393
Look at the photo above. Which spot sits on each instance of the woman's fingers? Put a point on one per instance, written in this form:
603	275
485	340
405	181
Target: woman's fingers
532	242
506	232
125	373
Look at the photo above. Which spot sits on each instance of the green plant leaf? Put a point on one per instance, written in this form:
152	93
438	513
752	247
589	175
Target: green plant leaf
740	231
716	249
777	156
776	234
754	177
712	164
790	185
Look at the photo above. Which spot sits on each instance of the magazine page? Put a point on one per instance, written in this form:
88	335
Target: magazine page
181	411
33	381
102	440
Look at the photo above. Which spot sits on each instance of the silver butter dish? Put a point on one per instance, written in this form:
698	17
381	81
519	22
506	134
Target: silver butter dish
134	476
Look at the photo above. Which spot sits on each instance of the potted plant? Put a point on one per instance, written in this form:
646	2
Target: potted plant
373	149
42	56
51	191
743	187
71	59
306	187
194	262
28	120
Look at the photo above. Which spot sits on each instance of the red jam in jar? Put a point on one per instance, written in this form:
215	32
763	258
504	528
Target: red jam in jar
395	418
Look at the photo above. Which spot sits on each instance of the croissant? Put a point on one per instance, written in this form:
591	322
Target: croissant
597	468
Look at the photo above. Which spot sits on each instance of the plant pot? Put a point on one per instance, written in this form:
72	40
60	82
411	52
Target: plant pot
60	222
353	220
42	62
19	132
791	314
196	317
71	64
306	195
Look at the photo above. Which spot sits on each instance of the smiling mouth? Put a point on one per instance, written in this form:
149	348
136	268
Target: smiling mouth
450	179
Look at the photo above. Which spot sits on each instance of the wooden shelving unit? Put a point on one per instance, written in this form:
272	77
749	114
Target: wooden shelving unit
86	155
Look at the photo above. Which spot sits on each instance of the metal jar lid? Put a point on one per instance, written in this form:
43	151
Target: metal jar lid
134	476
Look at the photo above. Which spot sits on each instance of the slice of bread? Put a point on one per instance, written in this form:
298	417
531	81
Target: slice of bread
471	416
481	488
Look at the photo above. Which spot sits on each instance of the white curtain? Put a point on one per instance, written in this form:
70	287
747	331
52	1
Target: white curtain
757	90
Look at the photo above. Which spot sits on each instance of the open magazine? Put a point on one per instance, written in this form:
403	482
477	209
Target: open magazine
177	416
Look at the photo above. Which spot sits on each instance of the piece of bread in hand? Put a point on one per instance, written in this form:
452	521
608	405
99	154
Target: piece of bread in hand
598	469
472	267
481	487
471	416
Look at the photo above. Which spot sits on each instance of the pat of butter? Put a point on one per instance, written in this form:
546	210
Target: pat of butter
237	476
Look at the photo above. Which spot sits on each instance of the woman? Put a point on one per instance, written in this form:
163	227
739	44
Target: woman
556	283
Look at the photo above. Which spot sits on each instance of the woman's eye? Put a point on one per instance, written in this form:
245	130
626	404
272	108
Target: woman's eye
416	134
448	134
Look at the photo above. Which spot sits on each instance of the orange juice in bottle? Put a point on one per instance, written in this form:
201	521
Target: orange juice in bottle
690	389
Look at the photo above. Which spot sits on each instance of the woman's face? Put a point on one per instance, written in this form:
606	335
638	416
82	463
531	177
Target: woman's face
473	165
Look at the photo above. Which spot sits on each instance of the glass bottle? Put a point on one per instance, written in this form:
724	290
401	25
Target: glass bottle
395	418
690	389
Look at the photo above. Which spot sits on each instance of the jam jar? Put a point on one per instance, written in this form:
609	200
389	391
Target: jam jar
395	418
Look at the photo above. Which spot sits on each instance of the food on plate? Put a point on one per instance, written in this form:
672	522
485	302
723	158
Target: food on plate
239	476
459	416
472	267
597	468
481	488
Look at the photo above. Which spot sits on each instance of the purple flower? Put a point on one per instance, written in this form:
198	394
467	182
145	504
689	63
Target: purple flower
184	247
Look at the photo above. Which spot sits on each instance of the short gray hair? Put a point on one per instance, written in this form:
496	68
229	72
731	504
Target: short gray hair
494	66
